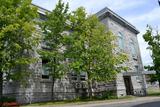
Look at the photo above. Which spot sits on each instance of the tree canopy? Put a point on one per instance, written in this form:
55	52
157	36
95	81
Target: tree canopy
17	26
152	37
54	31
91	48
88	45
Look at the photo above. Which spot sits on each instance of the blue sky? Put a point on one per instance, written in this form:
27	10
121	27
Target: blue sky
137	12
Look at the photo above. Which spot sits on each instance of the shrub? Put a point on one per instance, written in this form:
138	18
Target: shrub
7	99
105	95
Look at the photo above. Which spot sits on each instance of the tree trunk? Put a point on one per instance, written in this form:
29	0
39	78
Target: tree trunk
159	83
1	84
53	78
52	89
90	89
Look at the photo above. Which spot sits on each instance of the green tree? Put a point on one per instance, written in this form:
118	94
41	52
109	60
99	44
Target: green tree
90	48
54	28
16	39
153	39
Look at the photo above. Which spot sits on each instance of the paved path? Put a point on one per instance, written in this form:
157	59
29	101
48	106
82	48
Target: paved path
137	102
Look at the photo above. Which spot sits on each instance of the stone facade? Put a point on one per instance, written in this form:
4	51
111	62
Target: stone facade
117	25
127	83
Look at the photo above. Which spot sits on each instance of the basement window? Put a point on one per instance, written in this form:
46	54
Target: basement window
83	76
74	76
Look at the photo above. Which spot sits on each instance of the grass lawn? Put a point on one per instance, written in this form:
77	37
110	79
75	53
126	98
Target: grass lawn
153	92
77	102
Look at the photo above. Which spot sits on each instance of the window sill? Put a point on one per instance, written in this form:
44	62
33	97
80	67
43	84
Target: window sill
45	81
135	57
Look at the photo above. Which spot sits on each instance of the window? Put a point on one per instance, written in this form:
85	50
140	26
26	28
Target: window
83	76
45	69
74	76
138	78
136	68
133	48
121	40
78	77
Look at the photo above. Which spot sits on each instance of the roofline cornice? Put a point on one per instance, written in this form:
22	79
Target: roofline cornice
106	12
41	10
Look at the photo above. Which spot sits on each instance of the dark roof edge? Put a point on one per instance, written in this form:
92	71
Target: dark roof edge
107	10
41	10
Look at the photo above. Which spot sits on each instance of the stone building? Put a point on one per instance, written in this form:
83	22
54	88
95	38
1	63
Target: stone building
131	82
127	83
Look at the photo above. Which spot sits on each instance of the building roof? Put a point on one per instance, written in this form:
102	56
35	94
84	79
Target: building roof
106	12
41	10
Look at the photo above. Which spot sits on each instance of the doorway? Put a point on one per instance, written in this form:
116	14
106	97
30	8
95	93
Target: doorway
128	85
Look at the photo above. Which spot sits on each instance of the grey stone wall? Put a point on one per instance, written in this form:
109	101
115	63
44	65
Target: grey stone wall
137	81
39	90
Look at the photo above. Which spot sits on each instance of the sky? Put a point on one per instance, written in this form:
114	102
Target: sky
138	12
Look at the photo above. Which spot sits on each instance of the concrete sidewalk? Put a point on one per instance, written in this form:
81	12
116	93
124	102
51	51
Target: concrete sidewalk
138	100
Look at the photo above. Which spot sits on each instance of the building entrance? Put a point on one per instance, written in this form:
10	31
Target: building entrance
128	85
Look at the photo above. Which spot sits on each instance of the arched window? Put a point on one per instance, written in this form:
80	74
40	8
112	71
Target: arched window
120	40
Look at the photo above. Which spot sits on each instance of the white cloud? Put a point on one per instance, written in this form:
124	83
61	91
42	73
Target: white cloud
124	4
92	6
47	4
148	17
